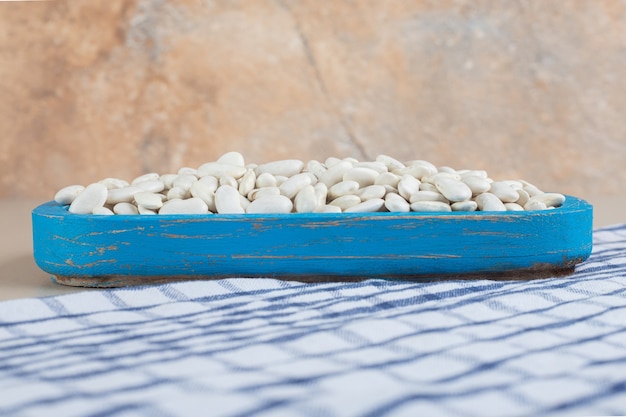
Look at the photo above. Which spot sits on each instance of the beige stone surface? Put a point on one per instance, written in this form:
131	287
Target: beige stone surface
531	89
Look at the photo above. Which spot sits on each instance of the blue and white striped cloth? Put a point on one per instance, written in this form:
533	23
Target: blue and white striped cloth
265	347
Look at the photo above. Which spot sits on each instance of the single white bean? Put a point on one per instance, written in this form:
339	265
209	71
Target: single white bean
177	193
343	188
477	184
389	162
532	190
464	206
442	175
204	192
387	178
244	202
112	183
153	186
67	194
327	208
407	186
334	173
504	192
145	177
293	185
428	206
184	181
285	168
371	191
263	192
369	206
396	203
453	190
534	204
523	197
228	180
321	193
306	201
429	167
217	169
346	201
427	196
376	166
232	158
149	200
125	208
187	170
315	167
189	206
489	202
211	182
551	199
122	195
513	207
270	204
247	182
265	180
101	210
227	200
364	176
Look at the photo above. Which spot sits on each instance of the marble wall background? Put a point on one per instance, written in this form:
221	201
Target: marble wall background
524	89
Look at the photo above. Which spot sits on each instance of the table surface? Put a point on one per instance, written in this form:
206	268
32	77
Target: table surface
21	278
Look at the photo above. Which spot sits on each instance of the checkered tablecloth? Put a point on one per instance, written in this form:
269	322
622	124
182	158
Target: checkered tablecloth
265	347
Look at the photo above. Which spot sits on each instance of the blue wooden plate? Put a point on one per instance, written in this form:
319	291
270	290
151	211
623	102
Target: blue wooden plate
106	251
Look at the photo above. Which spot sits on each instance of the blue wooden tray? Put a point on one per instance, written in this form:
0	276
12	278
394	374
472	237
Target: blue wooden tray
107	251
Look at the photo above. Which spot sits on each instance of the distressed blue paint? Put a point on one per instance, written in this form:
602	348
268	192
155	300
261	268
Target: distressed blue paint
291	245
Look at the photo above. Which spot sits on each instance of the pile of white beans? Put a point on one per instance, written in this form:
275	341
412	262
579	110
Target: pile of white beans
229	185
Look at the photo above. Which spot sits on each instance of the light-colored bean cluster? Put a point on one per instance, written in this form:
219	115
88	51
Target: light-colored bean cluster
229	185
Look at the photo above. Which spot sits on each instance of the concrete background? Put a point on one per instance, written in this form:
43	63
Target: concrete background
524	89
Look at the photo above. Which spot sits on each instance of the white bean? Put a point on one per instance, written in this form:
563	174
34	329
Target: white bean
407	186
153	186
489	202
371	191
122	195
286	168
67	194
429	206
227	200
504	192
204	192
232	158
247	182
189	206
453	190
343	188
270	204
334	173
346	201
125	208
373	205
265	180
293	185
101	210
149	200
306	201
464	206
395	203
217	169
